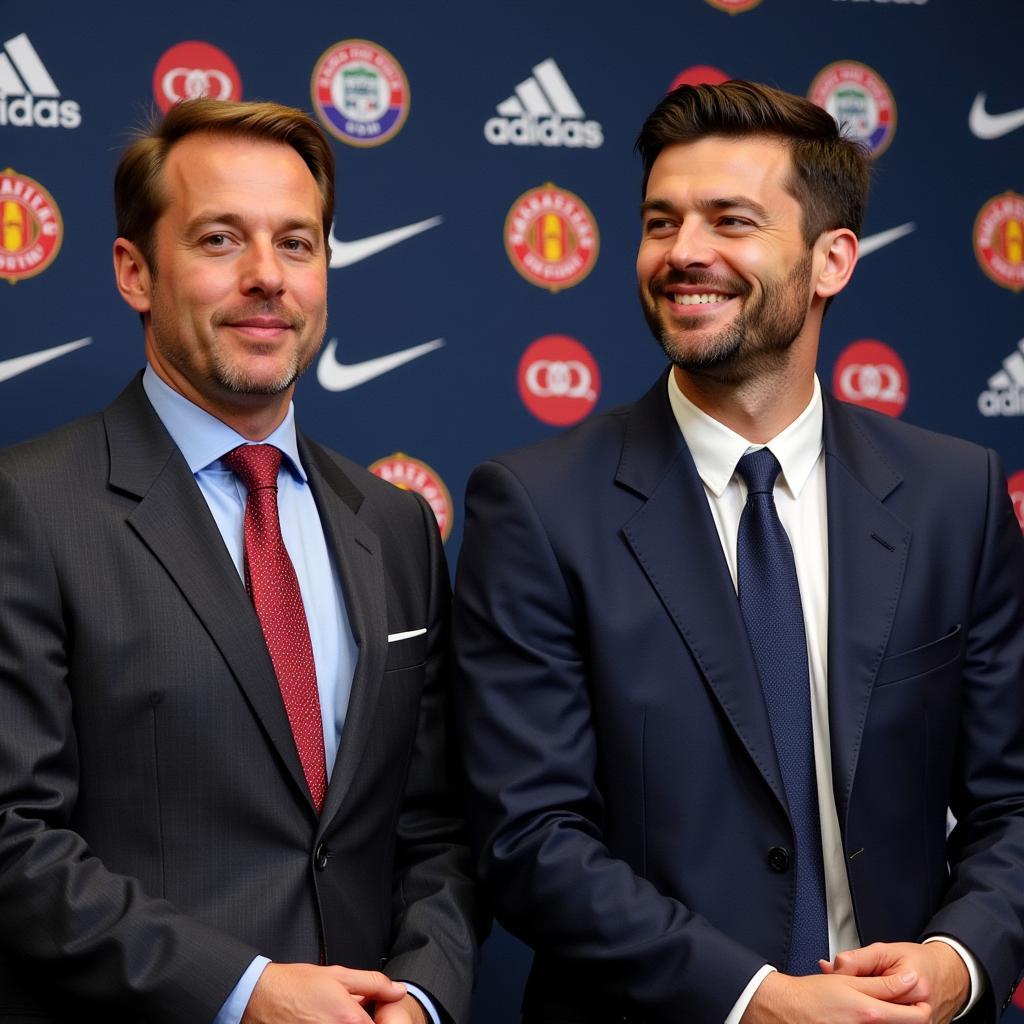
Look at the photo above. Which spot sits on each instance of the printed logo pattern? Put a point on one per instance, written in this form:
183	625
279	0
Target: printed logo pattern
31	228
1015	485
858	98
193	69
1005	393
992	126
870	373
413	475
29	97
559	381
999	240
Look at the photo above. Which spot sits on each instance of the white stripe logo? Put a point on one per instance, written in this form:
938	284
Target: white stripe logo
992	126
872	243
21	364
543	111
1005	393
28	94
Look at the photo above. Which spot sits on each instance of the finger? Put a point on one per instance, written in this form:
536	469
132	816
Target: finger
370	984
888	988
825	966
862	962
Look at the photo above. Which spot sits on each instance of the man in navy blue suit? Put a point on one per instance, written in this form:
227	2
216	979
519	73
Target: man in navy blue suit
729	654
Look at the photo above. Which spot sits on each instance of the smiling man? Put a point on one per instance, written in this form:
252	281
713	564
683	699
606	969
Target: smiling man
225	780
727	655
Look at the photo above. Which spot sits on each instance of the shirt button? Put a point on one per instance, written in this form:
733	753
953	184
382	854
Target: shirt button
320	856
779	859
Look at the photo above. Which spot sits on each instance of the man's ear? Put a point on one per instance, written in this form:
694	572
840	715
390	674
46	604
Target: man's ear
839	251
131	272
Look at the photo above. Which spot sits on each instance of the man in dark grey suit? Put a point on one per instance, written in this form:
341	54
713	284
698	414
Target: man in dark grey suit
177	842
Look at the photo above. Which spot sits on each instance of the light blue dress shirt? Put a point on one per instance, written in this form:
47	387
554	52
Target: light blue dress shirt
202	440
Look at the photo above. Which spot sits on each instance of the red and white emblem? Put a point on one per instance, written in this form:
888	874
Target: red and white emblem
193	69
734	6
551	237
1015	485
559	381
31	228
870	373
999	240
413	475
699	74
859	99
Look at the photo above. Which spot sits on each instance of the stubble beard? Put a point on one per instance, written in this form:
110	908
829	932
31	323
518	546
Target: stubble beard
756	342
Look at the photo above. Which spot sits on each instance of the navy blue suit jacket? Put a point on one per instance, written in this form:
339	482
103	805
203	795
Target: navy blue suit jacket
624	781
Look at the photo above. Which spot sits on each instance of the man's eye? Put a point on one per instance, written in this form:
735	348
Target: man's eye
659	224
215	241
295	245
733	222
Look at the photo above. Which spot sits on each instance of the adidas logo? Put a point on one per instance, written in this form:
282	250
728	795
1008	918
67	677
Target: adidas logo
1005	394
28	95
543	111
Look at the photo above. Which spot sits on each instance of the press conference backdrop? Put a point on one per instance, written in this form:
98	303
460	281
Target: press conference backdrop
481	286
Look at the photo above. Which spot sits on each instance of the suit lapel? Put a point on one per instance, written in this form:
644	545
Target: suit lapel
867	552
674	539
356	549
174	522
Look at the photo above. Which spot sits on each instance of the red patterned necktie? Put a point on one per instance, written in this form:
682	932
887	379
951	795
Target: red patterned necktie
274	589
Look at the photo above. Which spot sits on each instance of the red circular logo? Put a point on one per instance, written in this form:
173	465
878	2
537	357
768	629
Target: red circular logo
412	475
734	6
559	381
551	237
870	373
699	74
31	228
1015	485
192	69
999	240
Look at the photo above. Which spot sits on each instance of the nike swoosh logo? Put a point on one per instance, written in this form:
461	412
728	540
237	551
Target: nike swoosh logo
992	126
344	254
872	243
335	376
19	364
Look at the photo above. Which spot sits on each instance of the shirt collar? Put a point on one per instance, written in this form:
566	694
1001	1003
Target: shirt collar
716	449
202	438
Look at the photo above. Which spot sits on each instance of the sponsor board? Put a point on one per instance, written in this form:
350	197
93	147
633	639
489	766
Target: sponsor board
999	240
699	74
559	381
1015	485
871	374
733	6
551	237
29	97
543	111
413	475
31	227
1004	395
859	99
193	69
360	93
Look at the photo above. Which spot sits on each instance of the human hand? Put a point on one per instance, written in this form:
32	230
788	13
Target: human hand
835	999
406	1011
308	994
943	982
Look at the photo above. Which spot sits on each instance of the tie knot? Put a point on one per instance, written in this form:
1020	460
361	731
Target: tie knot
256	465
759	470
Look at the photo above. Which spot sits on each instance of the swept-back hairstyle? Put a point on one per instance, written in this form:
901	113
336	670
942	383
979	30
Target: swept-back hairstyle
139	197
831	173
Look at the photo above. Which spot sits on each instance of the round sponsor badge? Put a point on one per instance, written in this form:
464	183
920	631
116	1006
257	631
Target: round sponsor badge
559	381
360	93
870	373
999	240
1015	485
192	69
699	74
413	475
734	6
551	237
31	227
859	100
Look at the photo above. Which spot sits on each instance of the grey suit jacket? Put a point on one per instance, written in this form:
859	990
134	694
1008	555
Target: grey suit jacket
156	831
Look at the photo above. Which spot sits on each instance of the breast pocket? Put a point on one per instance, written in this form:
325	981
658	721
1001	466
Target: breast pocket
406	650
919	660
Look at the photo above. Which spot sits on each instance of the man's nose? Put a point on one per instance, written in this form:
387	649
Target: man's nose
691	246
261	269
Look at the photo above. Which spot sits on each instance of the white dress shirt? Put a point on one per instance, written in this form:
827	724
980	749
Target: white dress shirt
801	503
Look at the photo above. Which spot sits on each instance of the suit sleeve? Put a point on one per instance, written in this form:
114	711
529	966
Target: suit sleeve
85	933
536	809
438	919
984	905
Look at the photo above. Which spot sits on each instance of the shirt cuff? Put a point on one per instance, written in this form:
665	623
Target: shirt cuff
740	1006
973	971
235	1004
421	997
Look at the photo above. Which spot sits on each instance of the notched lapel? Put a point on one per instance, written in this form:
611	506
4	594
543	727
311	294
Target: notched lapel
357	554
867	554
174	522
673	537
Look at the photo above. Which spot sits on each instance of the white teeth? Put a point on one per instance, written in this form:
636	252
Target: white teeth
699	300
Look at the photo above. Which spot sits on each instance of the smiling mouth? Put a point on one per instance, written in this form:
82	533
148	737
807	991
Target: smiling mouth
701	299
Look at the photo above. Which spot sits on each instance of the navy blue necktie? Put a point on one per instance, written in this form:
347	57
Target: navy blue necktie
769	597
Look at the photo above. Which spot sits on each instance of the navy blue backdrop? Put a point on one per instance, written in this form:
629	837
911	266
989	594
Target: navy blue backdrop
499	136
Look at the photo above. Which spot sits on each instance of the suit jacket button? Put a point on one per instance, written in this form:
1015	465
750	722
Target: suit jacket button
320	856
779	859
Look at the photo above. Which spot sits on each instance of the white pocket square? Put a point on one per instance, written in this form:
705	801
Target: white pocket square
392	637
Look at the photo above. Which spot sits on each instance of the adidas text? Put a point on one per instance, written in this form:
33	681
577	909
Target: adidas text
543	131
1009	402
28	112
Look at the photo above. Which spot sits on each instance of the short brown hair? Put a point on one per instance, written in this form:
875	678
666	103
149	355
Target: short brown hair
139	198
832	173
